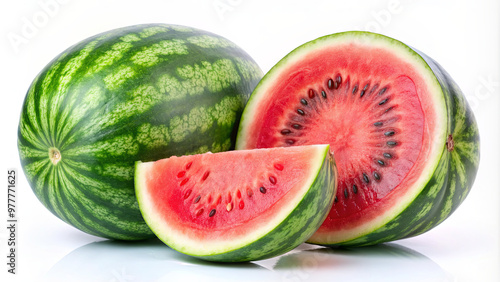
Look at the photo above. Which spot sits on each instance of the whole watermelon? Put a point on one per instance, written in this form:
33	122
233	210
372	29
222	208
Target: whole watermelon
142	92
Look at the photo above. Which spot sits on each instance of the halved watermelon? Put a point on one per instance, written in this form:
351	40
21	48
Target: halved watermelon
238	205
405	140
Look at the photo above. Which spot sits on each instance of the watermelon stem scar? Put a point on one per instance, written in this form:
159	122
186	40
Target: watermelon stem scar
54	155
450	145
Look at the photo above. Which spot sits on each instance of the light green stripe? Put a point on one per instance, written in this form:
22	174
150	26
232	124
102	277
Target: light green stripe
71	192
32	152
115	198
77	108
140	101
41	170
35	139
130	38
448	202
180	28
207	41
214	76
109	57
201	119
39	139
118	146
196	78
36	169
459	167
118	77
72	66
153	136
65	78
54	191
249	70
152	30
117	171
149	56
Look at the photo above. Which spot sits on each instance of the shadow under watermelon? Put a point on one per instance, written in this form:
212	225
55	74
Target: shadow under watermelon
385	262
149	260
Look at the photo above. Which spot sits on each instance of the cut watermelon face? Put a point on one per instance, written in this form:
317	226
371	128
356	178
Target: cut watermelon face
237	205
404	139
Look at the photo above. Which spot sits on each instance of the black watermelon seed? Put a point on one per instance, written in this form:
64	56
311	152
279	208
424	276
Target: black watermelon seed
364	90
392	143
197	199
388	109
338	79
286	131
381	162
330	83
290	141
263	190
336	199
346	194
383	101
301	112
378	123
389	133
355	89
212	213
323	93
297	126
382	91
365	178
376	175
387	155
355	189
303	102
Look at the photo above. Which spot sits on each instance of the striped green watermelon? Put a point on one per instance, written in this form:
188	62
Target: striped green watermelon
405	140
142	92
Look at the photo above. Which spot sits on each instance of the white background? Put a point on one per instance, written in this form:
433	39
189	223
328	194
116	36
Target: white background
463	36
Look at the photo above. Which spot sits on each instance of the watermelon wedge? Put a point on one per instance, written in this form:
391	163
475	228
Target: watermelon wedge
238	205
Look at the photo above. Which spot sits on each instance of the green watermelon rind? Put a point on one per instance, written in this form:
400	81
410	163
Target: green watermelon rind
141	92
298	225
448	176
453	177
